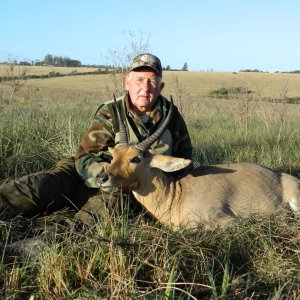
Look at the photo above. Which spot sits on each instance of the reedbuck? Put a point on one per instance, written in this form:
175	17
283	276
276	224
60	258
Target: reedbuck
208	196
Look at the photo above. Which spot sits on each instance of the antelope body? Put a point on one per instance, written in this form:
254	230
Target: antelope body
209	196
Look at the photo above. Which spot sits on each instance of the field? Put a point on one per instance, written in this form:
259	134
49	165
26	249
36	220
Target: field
39	70
198	83
125	257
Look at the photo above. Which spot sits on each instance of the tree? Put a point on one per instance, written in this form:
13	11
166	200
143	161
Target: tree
16	77
185	67
48	60
24	63
120	59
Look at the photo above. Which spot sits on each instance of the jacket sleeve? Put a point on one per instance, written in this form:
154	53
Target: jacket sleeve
92	156
182	144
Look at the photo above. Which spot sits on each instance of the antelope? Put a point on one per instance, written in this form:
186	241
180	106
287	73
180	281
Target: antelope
207	196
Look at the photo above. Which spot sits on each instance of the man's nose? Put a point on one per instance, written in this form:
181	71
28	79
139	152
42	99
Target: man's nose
146	85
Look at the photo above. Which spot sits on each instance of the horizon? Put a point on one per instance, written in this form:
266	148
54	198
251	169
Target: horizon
31	64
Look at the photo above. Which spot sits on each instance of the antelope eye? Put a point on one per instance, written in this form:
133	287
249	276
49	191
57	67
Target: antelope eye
135	160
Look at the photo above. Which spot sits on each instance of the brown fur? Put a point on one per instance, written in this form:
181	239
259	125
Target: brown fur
209	196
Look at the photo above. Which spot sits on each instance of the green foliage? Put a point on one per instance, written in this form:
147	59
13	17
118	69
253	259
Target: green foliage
185	67
251	70
227	93
60	61
293	100
220	93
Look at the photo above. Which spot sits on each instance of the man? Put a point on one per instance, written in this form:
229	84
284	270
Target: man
142	108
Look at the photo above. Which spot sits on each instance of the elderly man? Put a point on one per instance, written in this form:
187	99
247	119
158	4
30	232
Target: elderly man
142	108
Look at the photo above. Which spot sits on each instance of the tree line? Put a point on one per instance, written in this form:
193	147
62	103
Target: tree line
60	61
65	61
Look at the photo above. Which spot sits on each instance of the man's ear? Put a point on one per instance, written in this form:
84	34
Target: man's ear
169	163
162	85
126	81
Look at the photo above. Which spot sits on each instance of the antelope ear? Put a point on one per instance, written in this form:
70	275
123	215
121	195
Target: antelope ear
169	163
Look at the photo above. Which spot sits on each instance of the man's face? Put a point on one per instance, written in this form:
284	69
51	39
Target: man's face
144	86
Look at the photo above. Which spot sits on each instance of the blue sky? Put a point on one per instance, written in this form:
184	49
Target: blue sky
222	35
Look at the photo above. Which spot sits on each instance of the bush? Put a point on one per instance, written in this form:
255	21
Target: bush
226	92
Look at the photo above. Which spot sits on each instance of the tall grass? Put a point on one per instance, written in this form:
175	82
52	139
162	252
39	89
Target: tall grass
133	257
219	137
256	258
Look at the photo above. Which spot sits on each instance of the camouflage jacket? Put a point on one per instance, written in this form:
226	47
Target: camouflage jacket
92	156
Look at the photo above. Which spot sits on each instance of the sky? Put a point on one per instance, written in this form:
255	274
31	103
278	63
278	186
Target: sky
215	35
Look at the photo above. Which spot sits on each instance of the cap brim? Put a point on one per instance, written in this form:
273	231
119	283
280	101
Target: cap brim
148	67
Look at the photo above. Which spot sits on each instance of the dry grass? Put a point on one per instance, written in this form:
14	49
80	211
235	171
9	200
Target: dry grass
90	83
270	85
41	70
122	258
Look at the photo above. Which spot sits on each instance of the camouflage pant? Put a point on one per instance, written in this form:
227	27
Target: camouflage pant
48	191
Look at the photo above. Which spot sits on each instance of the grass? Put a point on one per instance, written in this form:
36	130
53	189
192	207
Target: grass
132	257
270	85
40	70
257	259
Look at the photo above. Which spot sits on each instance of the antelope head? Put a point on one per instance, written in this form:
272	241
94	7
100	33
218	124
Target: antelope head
131	165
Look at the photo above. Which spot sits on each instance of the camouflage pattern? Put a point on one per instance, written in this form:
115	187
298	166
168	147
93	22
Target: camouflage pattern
147	60
92	157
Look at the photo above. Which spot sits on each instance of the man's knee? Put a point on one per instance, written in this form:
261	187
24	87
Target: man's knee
6	208
43	191
16	197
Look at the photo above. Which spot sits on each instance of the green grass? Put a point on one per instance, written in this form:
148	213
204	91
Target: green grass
125	257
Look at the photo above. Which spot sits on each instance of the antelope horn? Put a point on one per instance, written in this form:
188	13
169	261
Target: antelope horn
145	144
123	133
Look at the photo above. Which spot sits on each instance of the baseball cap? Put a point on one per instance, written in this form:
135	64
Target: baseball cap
147	60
